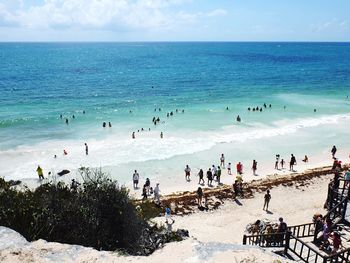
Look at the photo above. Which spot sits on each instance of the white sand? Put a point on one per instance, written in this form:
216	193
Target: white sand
214	236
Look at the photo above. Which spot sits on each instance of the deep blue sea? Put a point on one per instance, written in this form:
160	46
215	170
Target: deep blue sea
124	82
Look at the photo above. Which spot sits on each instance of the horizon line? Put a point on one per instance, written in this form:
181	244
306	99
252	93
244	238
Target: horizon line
173	41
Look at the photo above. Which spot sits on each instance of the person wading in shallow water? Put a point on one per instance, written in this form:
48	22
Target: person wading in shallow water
222	161
187	173
39	170
86	149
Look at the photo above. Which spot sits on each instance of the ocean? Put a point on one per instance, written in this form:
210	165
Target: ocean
127	83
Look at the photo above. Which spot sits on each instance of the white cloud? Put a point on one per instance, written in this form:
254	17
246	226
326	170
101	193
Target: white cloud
331	25
100	14
217	12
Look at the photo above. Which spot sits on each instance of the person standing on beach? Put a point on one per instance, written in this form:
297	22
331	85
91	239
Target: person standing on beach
161	135
144	192
86	149
282	164
229	169
218	174
210	177
187	173
135	178
222	161
333	151
235	188
214	171
267	199
239	168
169	226
39	170
199	196
156	192
277	161
201	174
148	185
292	162
167	213
254	167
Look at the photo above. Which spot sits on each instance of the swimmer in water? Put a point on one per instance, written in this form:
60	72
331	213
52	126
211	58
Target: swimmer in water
67	121
104	124
109	124
238	118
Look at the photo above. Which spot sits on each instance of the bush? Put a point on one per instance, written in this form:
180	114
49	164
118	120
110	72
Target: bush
99	214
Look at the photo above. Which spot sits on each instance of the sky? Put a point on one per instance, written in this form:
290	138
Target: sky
174	20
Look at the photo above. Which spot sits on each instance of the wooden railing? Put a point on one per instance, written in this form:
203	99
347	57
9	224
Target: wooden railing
304	230
337	201
305	252
312	255
340	257
266	240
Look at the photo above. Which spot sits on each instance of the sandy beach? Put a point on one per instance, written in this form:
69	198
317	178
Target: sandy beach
215	236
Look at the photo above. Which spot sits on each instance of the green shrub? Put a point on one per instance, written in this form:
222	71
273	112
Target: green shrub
99	214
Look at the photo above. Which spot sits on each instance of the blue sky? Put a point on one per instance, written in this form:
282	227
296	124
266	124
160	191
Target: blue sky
174	20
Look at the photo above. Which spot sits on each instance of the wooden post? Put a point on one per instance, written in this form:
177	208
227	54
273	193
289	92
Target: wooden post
244	240
286	244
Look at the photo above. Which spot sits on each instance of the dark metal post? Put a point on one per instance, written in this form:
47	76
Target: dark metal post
286	244
345	207
330	191
244	240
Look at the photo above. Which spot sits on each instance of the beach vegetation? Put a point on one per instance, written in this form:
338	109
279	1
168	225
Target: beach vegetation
99	213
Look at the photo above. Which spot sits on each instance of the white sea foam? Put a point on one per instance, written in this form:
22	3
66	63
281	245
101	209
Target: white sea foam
116	150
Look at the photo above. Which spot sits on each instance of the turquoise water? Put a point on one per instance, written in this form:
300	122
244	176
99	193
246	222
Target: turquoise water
38	82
